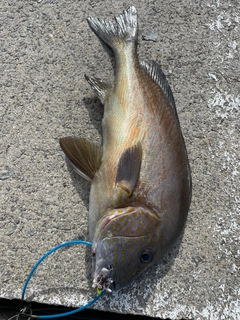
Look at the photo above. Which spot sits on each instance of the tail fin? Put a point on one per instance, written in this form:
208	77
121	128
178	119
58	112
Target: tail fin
123	30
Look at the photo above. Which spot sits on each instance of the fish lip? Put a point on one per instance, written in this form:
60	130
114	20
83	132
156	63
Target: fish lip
104	280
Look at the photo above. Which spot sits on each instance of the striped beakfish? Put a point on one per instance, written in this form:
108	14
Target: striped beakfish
140	177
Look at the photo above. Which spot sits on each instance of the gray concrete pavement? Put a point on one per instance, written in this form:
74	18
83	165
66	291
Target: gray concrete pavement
46	48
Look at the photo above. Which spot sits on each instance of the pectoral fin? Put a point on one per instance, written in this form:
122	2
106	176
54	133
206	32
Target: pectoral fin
99	87
128	168
84	155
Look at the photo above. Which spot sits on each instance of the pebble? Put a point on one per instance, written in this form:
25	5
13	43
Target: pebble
150	35
6	173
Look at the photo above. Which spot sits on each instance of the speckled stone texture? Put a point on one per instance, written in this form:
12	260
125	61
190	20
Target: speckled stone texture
46	48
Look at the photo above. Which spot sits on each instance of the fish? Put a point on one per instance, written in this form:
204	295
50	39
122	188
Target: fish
140	176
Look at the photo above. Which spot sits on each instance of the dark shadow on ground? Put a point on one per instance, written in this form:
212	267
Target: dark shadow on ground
11	308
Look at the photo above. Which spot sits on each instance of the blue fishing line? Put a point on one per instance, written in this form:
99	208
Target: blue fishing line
65	244
65	314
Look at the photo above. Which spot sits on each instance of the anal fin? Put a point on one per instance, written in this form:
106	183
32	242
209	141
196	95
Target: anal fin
129	168
85	156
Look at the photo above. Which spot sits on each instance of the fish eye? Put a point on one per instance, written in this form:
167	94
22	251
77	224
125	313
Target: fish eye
146	256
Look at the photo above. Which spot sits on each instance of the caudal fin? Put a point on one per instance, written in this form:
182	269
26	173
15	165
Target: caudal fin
121	31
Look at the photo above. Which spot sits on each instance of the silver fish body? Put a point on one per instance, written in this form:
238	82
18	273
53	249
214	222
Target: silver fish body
141	183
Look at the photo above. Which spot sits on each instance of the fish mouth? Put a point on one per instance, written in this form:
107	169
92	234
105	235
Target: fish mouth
104	279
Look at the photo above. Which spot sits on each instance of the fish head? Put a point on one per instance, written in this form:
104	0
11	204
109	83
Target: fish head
125	244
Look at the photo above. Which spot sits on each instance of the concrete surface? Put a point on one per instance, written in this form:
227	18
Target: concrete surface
46	48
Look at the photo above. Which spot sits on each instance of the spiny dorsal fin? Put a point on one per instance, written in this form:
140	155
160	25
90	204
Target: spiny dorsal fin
99	87
128	168
85	156
154	70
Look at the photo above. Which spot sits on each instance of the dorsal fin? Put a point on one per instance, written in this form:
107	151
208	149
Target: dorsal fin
128	168
99	87
85	156
154	70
